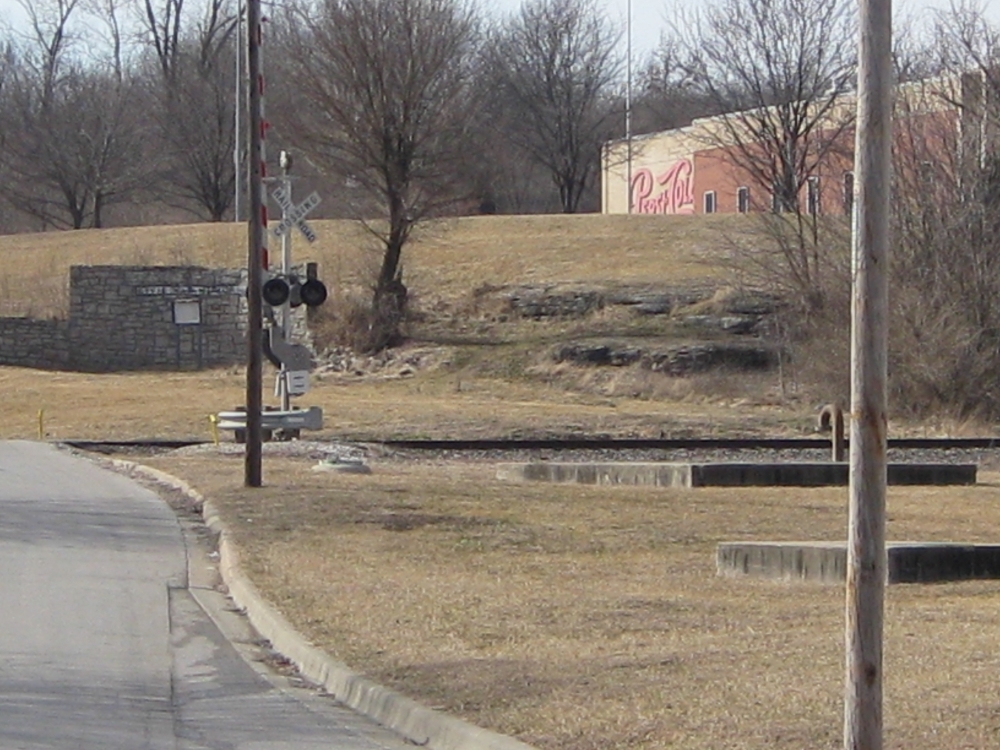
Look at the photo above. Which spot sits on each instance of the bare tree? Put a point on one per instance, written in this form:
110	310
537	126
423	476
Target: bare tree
193	90
665	97
70	130
8	62
555	67
945	349
195	121
162	29
65	163
108	16
777	71
944	352
50	38
388	102
168	30
965	40
216	28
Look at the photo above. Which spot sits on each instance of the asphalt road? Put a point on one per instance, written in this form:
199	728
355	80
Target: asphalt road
110	640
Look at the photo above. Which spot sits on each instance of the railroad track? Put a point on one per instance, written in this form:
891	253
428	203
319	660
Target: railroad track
575	443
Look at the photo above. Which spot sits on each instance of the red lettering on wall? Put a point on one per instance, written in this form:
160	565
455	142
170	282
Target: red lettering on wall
676	196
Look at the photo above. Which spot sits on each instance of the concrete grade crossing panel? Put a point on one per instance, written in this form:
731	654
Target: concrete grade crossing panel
826	562
790	474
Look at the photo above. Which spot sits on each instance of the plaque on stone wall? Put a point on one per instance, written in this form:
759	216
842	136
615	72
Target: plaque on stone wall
187	312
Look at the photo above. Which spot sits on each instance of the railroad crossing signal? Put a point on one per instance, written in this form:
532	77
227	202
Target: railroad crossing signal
295	215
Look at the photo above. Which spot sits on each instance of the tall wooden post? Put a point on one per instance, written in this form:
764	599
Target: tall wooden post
628	108
255	312
837	429
866	561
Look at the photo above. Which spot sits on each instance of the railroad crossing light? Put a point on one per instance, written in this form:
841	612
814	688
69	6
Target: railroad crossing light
275	292
312	292
278	290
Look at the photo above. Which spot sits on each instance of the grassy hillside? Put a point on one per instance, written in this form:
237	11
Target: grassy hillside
472	365
447	259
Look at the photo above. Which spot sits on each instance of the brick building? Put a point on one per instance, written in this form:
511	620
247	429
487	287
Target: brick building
692	170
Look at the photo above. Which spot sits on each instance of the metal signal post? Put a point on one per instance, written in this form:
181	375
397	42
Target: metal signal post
285	162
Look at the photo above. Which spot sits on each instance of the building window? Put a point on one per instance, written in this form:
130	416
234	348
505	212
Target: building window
812	196
742	199
709	201
848	193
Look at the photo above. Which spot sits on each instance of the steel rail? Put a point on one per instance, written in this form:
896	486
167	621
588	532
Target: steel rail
678	443
578	443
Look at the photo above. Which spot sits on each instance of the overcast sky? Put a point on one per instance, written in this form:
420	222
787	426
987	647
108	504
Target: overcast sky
648	16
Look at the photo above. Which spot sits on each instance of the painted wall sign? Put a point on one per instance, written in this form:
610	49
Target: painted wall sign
193	290
672	192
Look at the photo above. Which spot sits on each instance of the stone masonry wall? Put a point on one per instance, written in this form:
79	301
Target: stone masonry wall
177	318
34	343
141	318
135	318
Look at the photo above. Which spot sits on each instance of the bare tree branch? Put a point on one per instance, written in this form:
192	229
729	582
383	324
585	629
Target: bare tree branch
389	102
555	67
162	27
777	72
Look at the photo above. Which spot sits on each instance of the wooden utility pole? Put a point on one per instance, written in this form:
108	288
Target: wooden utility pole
628	107
255	311
866	556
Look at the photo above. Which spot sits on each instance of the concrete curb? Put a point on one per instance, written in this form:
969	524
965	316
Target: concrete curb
417	723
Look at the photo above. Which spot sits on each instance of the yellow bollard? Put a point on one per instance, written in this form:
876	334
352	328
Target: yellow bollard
213	420
41	424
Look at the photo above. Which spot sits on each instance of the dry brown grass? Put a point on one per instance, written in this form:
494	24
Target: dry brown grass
573	617
35	276
585	617
448	258
439	403
499	380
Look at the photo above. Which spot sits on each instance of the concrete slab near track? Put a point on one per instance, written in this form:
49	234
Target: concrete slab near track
789	474
826	562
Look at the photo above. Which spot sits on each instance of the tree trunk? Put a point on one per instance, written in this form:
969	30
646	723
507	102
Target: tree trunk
389	299
97	223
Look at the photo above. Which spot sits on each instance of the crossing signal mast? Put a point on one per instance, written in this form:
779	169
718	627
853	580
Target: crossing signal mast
289	290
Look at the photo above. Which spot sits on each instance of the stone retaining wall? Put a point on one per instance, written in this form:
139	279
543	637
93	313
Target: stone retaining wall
135	318
35	343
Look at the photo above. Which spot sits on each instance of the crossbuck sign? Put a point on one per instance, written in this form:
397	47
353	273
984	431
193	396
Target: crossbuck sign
295	215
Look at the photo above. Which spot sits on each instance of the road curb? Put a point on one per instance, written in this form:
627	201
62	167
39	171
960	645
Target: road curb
417	723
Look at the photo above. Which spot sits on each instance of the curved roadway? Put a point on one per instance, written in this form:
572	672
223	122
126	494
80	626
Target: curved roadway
106	645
